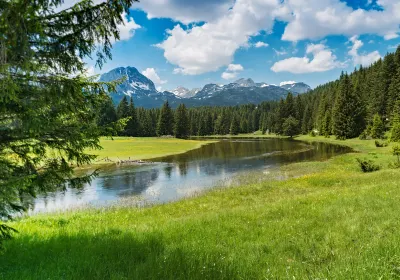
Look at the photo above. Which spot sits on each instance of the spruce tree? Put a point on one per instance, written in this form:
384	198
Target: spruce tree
289	107
348	111
235	126
326	124
123	108
165	125
395	131
107	116
181	122
378	128
47	101
132	124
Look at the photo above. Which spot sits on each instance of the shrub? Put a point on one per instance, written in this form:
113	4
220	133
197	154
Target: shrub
380	144
312	133
395	132
396	152
363	135
368	165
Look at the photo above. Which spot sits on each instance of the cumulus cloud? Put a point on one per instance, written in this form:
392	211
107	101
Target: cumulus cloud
152	75
208	47
127	29
312	19
362	59
261	45
234	67
185	11
322	60
229	75
232	71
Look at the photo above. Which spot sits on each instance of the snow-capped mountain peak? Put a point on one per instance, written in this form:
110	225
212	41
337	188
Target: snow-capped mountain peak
297	87
183	92
245	82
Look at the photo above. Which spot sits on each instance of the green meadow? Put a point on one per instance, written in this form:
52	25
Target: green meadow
325	220
142	148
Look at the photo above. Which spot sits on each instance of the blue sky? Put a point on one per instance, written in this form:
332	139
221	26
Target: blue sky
183	43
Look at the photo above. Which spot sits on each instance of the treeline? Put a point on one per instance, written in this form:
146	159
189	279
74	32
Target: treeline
183	122
365	103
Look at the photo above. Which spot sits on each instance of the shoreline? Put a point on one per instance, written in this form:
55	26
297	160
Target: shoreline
324	218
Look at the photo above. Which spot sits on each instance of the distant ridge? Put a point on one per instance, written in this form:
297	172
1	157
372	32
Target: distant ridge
242	91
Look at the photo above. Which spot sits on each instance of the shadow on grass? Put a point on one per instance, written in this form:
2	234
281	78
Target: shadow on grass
110	255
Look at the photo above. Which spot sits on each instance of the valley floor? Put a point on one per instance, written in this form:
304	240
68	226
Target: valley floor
327	221
142	148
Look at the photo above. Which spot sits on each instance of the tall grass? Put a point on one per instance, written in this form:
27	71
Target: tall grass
322	220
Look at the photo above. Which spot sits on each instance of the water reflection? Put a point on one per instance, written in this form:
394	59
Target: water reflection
182	175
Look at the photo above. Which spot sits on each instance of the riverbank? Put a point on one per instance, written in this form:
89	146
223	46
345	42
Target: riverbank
329	220
124	149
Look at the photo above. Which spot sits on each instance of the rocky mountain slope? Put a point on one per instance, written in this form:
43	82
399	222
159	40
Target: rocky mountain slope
242	91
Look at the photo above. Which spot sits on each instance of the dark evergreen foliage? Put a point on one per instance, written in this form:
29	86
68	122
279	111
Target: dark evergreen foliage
165	125
181	122
48	105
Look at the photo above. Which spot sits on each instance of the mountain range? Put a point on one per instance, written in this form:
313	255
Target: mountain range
242	91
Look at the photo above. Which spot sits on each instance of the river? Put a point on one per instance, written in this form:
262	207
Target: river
174	177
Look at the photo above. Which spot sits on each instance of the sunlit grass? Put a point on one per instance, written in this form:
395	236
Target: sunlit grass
309	220
141	148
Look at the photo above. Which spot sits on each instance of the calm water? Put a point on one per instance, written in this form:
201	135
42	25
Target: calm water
174	177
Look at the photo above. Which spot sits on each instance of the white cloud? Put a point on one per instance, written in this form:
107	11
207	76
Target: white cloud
232	71
185	11
127	30
261	45
313	19
234	67
287	83
152	75
208	47
322	60
363	59
229	75
281	52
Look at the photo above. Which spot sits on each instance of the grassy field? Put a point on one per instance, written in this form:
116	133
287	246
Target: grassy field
330	221
138	148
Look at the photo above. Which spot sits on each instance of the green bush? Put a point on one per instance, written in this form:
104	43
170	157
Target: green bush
380	144
395	132
396	153
368	165
312	133
363	135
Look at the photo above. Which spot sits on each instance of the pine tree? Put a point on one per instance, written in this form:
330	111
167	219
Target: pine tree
235	126
44	89
348	111
132	124
123	108
106	116
289	107
165	124
181	122
395	131
378	128
326	124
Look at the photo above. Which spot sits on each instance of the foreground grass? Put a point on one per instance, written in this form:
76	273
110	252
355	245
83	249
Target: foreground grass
140	148
332	222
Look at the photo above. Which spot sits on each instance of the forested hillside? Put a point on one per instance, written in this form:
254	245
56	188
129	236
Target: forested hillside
365	103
